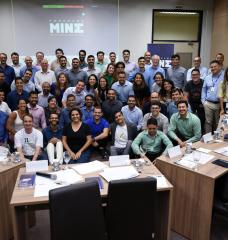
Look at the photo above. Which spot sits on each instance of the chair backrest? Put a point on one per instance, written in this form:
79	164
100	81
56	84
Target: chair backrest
76	212
131	209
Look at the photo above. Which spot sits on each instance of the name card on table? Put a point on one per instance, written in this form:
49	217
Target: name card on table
117	161
35	166
174	151
207	137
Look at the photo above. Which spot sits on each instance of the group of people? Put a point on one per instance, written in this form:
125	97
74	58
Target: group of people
110	107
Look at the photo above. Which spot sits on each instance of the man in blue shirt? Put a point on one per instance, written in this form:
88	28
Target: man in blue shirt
87	110
3	132
14	96
64	116
123	88
100	130
28	65
209	96
6	69
52	136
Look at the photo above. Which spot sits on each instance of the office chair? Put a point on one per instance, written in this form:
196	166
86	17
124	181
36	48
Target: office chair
76	212
131	209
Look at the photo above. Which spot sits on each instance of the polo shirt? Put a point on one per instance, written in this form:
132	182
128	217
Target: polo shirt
97	128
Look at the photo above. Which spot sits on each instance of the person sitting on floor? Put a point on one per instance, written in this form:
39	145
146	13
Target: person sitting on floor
152	141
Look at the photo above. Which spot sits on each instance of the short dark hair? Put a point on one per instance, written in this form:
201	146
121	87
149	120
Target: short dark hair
100	52
176	90
82	51
59	50
90	56
120	63
122	72
63	57
117	112
75	59
17	79
154	102
70	95
53	113
140	58
32	92
90	95
112	90
50	98
152	121
126	50
14	53
28	115
75	109
131	96
214	61
195	70
112	53
28	70
182	101
175	56
40	53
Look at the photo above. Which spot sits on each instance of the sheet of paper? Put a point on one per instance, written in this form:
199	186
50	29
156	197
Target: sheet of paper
223	151
117	161
64	177
203	158
161	181
186	163
90	167
204	150
117	173
35	166
174	151
207	137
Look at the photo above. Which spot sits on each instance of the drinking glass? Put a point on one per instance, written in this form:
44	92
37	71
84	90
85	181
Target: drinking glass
196	158
143	150
66	158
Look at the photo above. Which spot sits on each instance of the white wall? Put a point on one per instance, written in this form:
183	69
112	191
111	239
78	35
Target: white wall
135	24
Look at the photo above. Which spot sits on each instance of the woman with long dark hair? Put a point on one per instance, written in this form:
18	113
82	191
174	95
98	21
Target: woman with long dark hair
165	93
109	74
102	89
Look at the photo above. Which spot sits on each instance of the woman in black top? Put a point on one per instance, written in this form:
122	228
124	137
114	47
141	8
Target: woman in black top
77	138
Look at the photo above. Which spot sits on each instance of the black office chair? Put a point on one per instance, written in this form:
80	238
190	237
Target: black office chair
221	196
76	212
131	209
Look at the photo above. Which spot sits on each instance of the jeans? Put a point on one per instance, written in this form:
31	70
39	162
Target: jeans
121	151
84	158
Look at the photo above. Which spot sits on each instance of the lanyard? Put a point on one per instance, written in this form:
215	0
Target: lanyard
216	79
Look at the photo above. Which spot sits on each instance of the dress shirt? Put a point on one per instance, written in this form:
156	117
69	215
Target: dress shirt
34	70
13	99
64	117
95	71
5	108
59	70
17	69
123	91
75	75
129	67
203	73
172	108
153	144
210	87
8	73
28	87
101	66
38	116
177	75
41	77
134	116
145	72
43	100
162	121
48	134
189	127
80	96
152	71
3	131
87	114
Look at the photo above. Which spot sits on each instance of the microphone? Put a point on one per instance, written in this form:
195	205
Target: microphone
47	175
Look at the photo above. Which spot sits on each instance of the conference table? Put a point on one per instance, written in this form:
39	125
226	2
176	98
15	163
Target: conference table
193	192
8	176
23	202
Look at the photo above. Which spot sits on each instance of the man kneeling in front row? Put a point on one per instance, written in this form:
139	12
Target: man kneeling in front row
152	141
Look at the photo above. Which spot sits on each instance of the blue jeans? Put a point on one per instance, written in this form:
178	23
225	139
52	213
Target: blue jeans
84	158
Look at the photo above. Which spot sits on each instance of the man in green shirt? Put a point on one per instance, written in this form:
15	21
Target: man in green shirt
184	126
152	141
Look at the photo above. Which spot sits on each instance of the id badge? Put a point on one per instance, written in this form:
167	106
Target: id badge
212	89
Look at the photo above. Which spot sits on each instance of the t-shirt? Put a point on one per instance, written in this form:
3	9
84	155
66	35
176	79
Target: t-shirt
121	136
28	141
97	129
76	140
194	91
